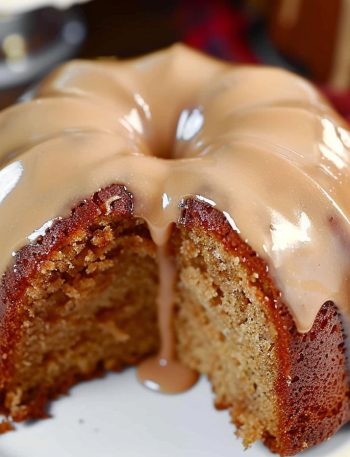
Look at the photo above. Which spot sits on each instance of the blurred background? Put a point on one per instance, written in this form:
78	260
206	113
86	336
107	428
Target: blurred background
311	37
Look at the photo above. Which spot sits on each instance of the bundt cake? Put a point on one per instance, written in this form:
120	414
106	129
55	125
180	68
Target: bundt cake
181	206
316	35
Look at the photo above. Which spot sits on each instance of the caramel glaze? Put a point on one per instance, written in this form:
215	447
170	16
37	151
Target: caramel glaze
259	143
163	372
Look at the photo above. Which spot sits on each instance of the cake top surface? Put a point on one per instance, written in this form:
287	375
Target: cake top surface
258	143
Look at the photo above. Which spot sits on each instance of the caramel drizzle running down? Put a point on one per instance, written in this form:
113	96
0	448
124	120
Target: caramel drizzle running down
258	143
163	372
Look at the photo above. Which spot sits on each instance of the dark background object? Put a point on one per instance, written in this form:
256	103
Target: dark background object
119	28
32	44
129	28
230	29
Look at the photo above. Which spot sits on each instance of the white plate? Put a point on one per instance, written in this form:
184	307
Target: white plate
117	417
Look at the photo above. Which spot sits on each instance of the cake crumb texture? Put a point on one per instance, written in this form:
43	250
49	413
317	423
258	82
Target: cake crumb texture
82	301
90	308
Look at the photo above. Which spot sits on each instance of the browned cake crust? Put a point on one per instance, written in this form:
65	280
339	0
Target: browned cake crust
312	383
311	386
26	265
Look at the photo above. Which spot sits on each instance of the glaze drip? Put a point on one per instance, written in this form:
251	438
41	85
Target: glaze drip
163	372
258	143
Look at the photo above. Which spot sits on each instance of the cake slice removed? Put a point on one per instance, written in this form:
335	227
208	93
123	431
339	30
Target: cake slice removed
81	300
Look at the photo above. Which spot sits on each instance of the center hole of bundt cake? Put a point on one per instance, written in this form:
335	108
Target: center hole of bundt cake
172	144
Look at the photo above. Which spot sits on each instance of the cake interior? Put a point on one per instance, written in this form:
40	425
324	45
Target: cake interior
91	308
